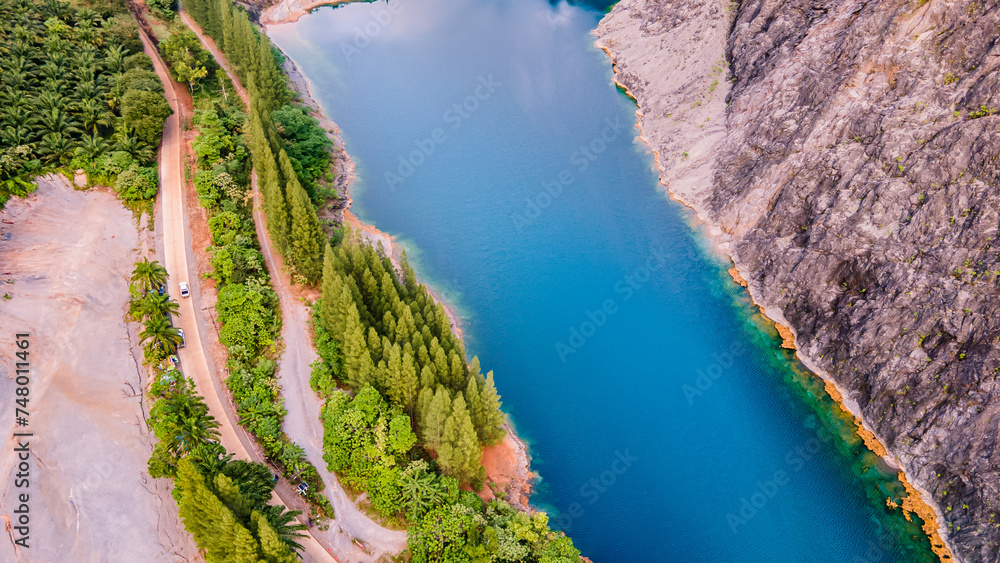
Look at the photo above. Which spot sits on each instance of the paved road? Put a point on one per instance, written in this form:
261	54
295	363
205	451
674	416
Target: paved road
175	250
302	423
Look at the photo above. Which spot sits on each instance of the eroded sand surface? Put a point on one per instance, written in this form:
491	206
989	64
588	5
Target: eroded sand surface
69	255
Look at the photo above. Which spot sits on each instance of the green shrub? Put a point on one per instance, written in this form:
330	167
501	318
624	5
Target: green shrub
111	165
136	183
145	111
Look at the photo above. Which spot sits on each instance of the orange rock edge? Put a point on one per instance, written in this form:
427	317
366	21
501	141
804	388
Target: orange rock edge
913	502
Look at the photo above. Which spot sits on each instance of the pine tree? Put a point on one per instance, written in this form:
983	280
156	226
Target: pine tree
226	37
395	366
243	52
389	293
434	418
405	327
494	418
267	175
389	326
230	495
441	367
427	377
275	550
305	234
424	399
424	361
380	378
274	92
457	371
213	526
358	367
460	453
212	26
403	383
369	288
375	347
336	298
409	276
477	409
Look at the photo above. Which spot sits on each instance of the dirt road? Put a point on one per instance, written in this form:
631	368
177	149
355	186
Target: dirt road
302	422
65	260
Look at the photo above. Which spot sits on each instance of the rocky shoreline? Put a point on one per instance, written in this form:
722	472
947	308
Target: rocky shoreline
287	11
854	184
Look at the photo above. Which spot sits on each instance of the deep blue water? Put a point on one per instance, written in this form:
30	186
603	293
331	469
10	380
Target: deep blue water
664	421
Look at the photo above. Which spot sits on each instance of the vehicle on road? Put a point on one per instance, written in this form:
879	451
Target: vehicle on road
185	289
175	360
180	332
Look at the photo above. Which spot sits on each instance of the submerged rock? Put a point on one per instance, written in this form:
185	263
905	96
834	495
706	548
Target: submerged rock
856	183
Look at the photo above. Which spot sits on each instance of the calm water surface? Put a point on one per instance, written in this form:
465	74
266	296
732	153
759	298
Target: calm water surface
665	423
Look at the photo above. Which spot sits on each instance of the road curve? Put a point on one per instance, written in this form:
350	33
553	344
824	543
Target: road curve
175	250
302	423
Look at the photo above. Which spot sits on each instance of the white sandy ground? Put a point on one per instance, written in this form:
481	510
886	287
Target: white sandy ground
90	496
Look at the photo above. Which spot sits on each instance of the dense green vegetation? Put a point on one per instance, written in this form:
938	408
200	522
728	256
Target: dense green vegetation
384	338
223	503
391	335
307	146
290	151
76	92
405	416
247	304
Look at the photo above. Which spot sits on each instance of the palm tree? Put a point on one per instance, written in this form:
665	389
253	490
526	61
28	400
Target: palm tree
253	480
92	113
132	144
160	335
92	147
155	305
51	70
197	427
211	459
16	136
17	115
281	520
114	59
86	16
149	274
16	79
293	457
420	488
55	120
56	147
185	422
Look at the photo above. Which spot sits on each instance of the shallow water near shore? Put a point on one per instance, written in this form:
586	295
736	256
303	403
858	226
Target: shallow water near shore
664	421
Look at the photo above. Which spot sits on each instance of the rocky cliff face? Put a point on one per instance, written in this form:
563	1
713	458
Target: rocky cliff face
856	186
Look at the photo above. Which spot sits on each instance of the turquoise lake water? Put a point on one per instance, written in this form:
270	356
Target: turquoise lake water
664	421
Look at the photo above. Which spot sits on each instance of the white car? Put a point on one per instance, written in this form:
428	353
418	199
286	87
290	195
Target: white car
185	289
180	332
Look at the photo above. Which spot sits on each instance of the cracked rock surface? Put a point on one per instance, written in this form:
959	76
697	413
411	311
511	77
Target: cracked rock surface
857	187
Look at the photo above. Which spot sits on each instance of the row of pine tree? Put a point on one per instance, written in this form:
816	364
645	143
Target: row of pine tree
291	216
